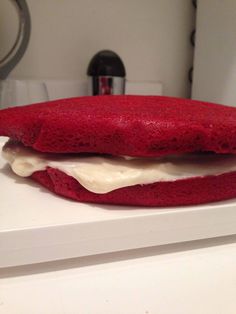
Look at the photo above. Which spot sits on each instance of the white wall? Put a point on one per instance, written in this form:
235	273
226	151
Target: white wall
151	36
215	53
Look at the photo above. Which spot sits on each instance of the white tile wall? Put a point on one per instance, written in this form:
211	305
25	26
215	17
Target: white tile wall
215	54
151	36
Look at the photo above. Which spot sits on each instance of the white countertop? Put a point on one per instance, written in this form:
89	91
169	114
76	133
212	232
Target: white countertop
189	278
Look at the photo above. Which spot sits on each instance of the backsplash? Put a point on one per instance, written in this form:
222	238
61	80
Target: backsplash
151	37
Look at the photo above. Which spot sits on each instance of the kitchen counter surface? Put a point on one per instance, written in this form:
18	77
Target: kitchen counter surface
194	277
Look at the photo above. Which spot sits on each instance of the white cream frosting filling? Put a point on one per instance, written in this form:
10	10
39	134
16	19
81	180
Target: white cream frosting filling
102	174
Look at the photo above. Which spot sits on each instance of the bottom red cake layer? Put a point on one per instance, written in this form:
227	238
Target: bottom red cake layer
181	192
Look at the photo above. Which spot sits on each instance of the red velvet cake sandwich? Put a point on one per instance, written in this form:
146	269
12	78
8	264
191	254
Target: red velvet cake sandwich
126	150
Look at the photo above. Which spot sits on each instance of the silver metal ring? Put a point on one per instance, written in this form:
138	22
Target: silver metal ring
8	62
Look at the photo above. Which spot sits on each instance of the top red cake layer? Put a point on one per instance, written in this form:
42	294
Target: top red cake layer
123	125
